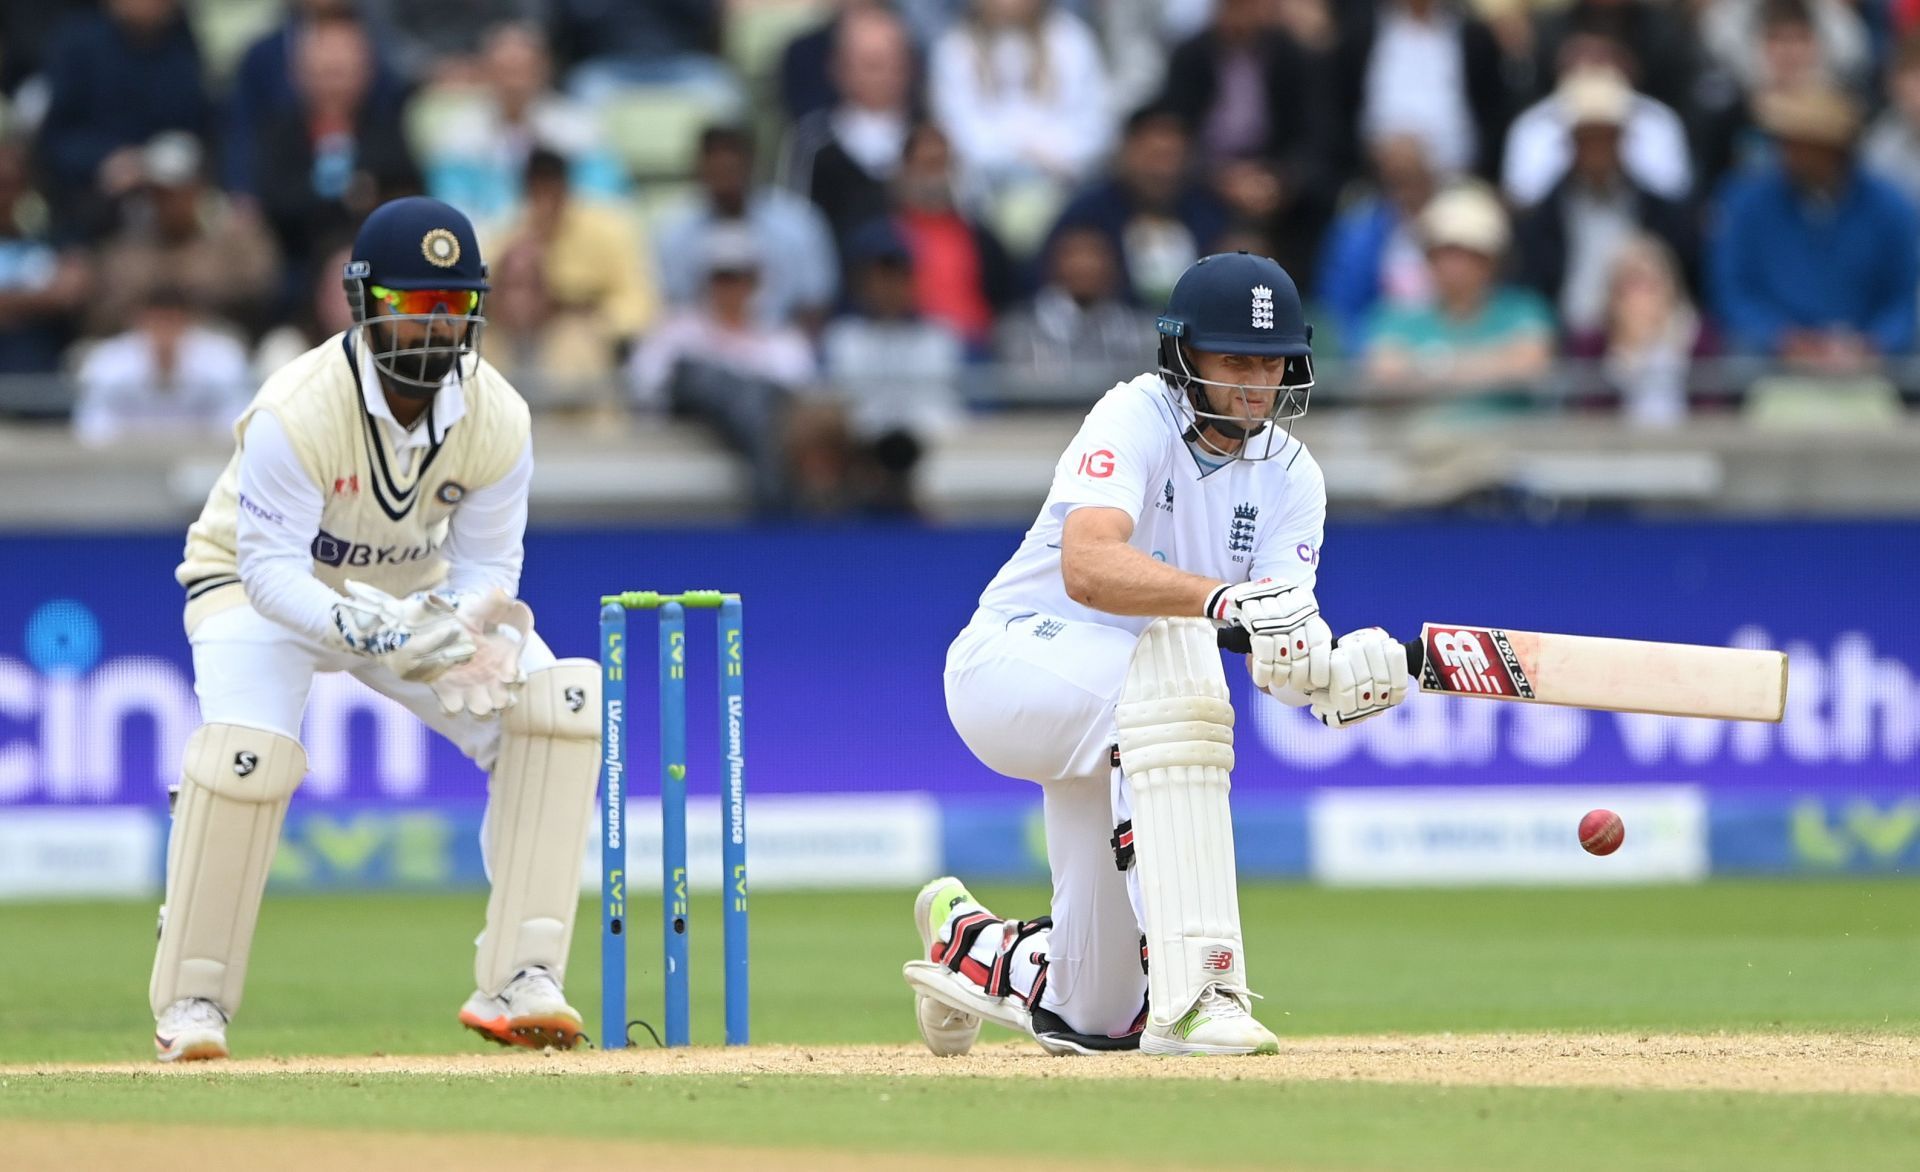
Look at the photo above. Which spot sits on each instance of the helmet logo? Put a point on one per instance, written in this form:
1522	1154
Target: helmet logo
1262	307
441	248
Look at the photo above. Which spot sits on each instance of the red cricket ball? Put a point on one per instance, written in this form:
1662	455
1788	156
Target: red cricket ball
1602	832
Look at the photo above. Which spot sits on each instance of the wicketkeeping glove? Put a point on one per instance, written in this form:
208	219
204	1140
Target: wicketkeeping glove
489	683
417	638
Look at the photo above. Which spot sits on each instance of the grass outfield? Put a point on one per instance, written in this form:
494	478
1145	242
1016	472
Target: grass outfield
364	975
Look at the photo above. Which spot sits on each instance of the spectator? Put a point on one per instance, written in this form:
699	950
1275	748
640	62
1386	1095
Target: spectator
28	32
801	287
1733	33
1373	254
1021	90
1569	242
116	79
335	156
1133	35
170	376
962	275
722	363
1654	35
1429	69
440	41
263	87
323	313
1254	103
479	158
896	372
1891	148
42	287
1477	337
1813	259
643	42
1158	219
1648	337
1789	58
1654	146
594	274
179	233
1078	333
845	157
809	81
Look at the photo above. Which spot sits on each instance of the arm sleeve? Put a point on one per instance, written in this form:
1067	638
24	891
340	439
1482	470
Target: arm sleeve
1106	465
484	543
279	516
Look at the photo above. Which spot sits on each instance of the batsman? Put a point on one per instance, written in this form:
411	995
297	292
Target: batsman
1184	505
370	521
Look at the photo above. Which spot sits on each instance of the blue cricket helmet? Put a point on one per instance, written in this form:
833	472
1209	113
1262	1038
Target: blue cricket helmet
410	245
1236	303
419	243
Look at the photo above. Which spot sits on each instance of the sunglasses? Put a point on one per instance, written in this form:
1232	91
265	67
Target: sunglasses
422	302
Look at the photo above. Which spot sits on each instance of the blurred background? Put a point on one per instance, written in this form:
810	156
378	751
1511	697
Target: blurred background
1615	312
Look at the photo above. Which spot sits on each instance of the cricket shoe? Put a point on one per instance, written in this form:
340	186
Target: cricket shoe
1221	1022
531	1012
948	1005
192	1029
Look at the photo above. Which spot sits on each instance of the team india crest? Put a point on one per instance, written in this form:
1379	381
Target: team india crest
1262	307
441	248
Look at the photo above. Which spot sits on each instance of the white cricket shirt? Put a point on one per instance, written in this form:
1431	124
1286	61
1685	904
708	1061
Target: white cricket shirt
1242	521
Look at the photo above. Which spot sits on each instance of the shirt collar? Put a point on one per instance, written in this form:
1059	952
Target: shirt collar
449	405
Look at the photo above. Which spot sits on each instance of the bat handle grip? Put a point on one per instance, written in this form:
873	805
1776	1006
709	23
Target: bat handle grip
1237	640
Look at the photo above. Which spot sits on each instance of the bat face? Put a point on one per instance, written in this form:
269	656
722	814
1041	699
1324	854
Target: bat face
1619	675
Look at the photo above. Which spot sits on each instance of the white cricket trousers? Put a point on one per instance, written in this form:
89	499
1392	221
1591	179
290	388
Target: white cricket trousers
250	670
1033	698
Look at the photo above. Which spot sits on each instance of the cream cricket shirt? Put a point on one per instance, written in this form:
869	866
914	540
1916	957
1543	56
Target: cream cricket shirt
326	486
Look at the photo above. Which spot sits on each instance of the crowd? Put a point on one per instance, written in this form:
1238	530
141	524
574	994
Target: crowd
913	192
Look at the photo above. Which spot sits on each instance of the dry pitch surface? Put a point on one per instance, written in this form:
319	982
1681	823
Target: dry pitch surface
1862	1064
1854	1063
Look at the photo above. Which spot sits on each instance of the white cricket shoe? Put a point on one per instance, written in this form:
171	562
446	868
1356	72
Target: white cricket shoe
1221	1022
531	1012
947	1031
192	1029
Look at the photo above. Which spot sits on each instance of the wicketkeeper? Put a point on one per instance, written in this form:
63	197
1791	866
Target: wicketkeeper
370	522
1185	504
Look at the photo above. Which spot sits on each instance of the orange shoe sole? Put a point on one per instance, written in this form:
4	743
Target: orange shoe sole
200	1052
531	1033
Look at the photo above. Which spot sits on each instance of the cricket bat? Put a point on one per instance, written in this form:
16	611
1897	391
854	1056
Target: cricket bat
1580	671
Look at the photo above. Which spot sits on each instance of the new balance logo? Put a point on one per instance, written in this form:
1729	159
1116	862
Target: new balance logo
1464	659
1262	307
1218	959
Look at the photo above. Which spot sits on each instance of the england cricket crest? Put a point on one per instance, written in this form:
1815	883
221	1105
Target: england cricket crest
1240	533
1262	307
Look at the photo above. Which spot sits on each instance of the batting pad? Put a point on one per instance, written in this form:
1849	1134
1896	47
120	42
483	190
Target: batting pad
1175	726
235	786
540	807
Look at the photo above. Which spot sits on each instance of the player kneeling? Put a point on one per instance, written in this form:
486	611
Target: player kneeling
370	522
1091	666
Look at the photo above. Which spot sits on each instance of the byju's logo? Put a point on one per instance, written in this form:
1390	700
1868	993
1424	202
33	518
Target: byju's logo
329	550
